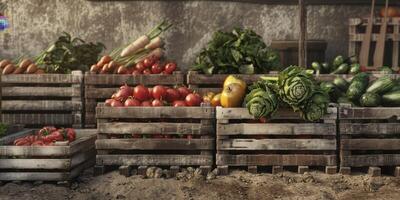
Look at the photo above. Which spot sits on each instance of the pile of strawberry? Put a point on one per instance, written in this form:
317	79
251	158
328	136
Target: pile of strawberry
47	136
157	96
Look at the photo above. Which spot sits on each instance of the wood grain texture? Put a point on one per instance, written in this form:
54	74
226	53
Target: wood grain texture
269	160
154	160
40	105
43	78
377	129
20	91
371	160
370	144
369	113
155	144
276	144
118	79
276	129
38	118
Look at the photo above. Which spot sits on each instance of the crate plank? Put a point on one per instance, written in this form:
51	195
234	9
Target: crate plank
148	79
99	93
33	150
155	128
43	78
276	144
369	113
370	144
276	129
61	164
38	176
38	118
155	144
87	154
40	105
154	112
19	91
370	128
158	160
269	160
195	78
371	160
10	138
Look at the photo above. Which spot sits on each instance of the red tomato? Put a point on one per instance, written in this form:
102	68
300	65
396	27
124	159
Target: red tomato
147	71
70	133
172	95
150	91
116	103
193	100
141	93
108	102
146	104
157	103
157	68
179	103
184	91
46	130
140	66
159	92
131	102
136	72
170	67
148	62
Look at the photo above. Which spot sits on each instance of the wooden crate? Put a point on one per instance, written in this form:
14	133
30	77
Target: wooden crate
289	51
116	147
285	141
369	137
46	163
99	87
37	100
203	83
357	31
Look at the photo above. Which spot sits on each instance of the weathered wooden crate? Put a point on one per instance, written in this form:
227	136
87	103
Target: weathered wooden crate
203	83
46	163
357	31
99	87
369	137
116	147
37	100
286	140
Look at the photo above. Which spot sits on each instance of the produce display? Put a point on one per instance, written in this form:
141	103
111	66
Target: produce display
65	55
47	136
142	56
158	95
239	51
385	91
3	129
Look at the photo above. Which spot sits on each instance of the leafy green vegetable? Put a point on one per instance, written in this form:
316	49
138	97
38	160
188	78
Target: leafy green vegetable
68	54
316	106
262	100
239	51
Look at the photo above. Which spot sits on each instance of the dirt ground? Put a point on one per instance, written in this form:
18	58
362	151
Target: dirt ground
238	185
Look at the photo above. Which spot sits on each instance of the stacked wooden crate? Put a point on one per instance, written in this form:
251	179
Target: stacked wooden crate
99	87
369	137
46	163
284	141
37	100
154	136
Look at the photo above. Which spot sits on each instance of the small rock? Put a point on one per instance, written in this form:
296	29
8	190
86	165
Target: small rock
211	175
215	171
120	196
166	173
190	170
158	173
181	175
374	185
74	186
150	172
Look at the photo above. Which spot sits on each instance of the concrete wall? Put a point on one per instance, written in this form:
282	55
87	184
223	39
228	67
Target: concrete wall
34	23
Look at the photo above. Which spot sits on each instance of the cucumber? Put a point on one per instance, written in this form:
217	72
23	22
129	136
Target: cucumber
391	98
317	67
357	86
370	100
381	85
344	100
325	67
386	70
355	68
338	61
341	83
342	69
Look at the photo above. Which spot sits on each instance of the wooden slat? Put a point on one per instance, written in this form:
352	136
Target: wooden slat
369	113
37	176
371	160
34	150
82	144
276	144
82	157
154	128
38	118
154	112
243	113
100	93
370	144
369	128
276	129
159	160
10	138
269	160
155	144
374	37
62	164
45	105
194	78
116	79
43	78
41	91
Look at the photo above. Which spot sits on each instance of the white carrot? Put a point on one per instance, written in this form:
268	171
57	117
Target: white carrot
157	53
135	46
155	43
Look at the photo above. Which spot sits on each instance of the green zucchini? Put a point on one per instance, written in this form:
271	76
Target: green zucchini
357	87
344	100
317	67
342	69
381	85
325	67
386	70
355	68
391	98
341	83
370	100
338	61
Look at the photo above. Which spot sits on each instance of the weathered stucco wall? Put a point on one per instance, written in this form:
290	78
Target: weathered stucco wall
34	23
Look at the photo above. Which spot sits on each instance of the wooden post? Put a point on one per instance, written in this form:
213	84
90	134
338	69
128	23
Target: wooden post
303	33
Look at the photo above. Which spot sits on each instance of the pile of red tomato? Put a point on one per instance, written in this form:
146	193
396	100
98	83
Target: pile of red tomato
158	95
46	137
153	65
